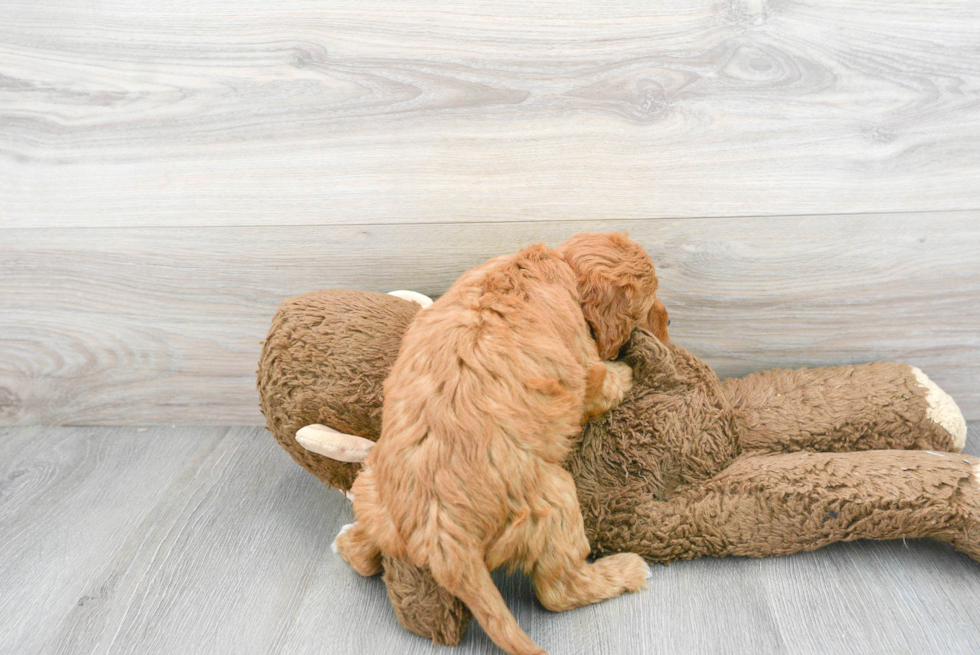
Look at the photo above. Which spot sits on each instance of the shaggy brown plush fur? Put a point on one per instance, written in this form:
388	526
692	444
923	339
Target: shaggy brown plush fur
490	385
324	361
673	489
686	466
421	605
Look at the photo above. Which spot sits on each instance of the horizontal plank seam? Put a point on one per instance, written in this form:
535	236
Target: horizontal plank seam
502	222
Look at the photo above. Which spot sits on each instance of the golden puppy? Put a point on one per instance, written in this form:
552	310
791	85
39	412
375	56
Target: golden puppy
490	385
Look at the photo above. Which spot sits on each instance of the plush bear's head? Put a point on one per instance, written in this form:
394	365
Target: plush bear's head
675	428
325	361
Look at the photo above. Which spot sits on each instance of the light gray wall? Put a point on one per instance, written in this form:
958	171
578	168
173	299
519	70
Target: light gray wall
805	174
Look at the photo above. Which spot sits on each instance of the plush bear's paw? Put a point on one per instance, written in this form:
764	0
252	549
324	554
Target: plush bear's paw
943	410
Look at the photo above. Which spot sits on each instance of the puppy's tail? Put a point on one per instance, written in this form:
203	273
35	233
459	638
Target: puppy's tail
468	579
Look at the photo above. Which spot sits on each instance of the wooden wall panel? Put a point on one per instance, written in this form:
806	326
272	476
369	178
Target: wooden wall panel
162	325
304	112
169	172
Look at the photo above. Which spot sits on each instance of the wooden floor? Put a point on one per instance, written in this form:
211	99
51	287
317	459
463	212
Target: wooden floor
211	540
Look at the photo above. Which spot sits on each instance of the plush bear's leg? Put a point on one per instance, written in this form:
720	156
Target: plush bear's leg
777	504
422	606
883	405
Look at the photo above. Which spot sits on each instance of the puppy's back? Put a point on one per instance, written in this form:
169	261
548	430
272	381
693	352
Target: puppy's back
484	384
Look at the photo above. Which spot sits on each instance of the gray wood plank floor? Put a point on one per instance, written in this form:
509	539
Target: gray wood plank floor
210	540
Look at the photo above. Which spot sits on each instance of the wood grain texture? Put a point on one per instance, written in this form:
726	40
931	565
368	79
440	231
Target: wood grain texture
305	112
200	539
137	326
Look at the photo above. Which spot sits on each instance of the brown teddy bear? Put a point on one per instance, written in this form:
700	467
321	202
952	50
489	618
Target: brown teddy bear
773	463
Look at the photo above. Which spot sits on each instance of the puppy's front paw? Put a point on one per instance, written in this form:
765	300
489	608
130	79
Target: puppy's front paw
616	380
619	378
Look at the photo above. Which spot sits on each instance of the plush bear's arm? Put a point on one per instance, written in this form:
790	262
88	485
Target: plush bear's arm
883	405
777	504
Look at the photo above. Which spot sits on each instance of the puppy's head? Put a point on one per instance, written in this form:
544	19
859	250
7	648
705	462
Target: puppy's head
617	285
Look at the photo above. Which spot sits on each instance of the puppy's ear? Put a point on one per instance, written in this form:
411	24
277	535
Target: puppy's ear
606	306
657	321
612	272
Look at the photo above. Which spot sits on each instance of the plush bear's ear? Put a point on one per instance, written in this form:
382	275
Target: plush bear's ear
648	356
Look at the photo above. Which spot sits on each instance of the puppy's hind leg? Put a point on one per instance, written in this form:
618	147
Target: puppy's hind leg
563	579
358	549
